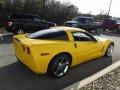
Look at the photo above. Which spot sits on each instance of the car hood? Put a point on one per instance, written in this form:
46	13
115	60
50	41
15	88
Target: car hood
71	22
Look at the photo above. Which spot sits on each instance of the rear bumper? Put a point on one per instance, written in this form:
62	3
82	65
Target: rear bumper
33	66
34	61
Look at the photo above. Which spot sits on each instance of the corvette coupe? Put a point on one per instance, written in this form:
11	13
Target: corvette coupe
57	49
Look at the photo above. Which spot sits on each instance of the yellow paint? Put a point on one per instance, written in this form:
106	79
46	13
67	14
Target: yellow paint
39	64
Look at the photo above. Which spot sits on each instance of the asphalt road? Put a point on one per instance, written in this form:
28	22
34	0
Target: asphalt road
15	76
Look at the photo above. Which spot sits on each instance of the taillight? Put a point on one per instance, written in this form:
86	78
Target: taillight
10	24
23	47
28	50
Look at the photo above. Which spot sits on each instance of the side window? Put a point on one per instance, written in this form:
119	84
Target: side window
90	20
37	19
21	17
81	36
82	20
113	21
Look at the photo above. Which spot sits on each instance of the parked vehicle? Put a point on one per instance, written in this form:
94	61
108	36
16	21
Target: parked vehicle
57	49
18	23
112	25
86	23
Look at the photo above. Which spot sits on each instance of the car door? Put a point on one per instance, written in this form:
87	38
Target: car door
87	46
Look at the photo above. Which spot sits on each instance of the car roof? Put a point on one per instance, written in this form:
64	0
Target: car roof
65	28
23	15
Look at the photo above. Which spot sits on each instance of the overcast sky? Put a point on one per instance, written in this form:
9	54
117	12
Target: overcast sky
95	6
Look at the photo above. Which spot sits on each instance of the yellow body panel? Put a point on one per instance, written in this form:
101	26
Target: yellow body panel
39	63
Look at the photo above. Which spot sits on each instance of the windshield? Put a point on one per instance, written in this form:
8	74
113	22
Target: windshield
79	19
83	19
118	21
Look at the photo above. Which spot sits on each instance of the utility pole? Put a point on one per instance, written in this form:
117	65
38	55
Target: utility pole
109	7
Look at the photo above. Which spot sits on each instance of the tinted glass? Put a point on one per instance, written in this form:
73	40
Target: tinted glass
113	21
80	36
49	34
21	17
83	20
118	21
37	19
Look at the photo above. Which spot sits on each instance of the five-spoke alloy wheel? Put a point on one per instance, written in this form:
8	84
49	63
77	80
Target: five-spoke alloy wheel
109	50
59	65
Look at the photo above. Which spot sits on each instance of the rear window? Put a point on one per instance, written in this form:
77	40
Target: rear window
49	34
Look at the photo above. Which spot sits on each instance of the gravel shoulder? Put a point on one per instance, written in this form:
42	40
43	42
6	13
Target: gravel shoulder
110	81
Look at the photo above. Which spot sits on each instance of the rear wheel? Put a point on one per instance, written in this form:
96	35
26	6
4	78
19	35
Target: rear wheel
109	50
60	65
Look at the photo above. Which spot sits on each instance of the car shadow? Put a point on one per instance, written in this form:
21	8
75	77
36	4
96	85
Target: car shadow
17	77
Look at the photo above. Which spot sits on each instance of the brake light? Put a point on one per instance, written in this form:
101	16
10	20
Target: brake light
28	50
10	24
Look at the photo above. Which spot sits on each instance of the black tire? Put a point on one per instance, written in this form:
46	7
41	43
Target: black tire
19	30
59	65
109	50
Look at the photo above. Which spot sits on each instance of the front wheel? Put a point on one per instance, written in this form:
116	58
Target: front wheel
59	65
109	50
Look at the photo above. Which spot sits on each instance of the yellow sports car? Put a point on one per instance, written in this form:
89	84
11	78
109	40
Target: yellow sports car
57	49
